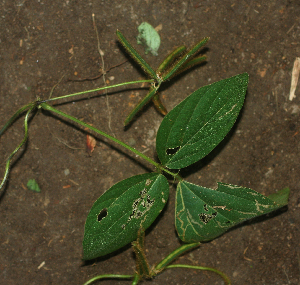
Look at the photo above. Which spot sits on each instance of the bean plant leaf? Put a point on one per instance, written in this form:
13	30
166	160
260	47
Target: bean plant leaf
280	197
121	211
203	214
198	124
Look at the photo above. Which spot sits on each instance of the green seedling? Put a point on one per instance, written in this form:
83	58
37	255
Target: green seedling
187	133
176	62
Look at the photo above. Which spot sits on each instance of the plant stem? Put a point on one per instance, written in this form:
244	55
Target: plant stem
182	249
223	275
31	107
45	106
110	276
144	101
15	116
142	266
136	279
98	89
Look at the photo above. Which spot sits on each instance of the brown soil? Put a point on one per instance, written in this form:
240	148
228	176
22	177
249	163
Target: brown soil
43	42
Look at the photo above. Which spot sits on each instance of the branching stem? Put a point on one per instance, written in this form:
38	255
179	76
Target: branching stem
99	89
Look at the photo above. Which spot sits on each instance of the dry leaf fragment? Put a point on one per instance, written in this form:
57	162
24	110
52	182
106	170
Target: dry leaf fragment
90	143
295	76
41	265
262	72
158	28
71	50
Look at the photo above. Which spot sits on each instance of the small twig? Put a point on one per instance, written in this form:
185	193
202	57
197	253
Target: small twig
98	76
51	92
290	29
104	73
77	184
62	141
298	259
295	77
286	275
249	259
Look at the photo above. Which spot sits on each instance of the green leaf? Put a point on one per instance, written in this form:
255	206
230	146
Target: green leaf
184	60
33	185
199	123
148	37
177	52
121	211
140	105
136	56
202	214
281	197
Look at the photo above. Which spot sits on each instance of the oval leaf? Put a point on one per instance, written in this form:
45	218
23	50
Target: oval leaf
202	214
198	124
121	211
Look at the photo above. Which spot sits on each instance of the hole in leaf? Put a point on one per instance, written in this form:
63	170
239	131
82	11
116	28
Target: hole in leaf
205	218
102	215
171	151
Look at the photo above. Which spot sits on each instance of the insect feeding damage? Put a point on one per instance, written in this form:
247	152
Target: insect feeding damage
204	217
142	204
103	213
172	151
141	201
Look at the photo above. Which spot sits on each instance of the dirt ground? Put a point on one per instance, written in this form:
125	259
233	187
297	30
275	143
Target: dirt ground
45	44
